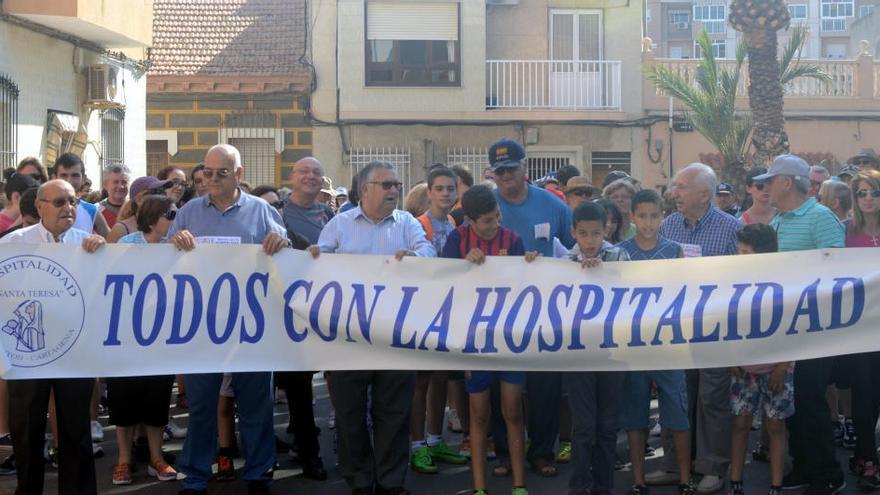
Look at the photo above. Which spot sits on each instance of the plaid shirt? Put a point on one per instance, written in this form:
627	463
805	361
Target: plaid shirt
715	232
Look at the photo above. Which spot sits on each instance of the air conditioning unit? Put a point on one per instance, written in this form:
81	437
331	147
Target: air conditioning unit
502	2
105	87
682	25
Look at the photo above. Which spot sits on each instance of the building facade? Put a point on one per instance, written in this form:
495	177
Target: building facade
72	78
230	72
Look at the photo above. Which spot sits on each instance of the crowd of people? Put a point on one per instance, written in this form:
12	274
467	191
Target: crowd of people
388	422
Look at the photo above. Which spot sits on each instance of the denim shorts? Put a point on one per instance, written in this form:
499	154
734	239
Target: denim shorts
672	392
480	381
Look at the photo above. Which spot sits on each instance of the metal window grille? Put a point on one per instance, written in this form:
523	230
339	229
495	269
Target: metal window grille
606	161
8	122
113	137
475	159
541	165
258	158
400	159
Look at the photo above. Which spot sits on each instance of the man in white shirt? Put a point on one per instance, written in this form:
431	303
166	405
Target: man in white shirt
29	399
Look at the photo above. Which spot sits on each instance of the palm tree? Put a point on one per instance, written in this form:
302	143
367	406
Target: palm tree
711	100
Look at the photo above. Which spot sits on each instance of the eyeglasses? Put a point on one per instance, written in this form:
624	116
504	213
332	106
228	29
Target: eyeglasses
875	193
760	185
170	215
221	172
277	204
583	193
61	202
388	184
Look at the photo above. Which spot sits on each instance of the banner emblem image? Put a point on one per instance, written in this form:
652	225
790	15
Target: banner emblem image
35	333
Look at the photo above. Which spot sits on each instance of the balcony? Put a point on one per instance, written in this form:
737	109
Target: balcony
568	85
110	24
853	88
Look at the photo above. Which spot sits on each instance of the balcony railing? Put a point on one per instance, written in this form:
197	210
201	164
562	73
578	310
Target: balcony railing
575	85
843	74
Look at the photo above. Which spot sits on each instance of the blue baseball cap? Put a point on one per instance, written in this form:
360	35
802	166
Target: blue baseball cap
724	188
506	153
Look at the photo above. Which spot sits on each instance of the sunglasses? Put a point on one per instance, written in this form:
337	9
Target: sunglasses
582	193
158	191
862	162
61	202
277	204
388	184
875	193
177	183
760	185
221	172
170	215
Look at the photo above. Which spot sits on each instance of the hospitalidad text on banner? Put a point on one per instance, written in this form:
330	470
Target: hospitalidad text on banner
147	310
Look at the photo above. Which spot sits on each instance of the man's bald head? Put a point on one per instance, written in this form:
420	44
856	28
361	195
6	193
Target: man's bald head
227	153
54	187
309	160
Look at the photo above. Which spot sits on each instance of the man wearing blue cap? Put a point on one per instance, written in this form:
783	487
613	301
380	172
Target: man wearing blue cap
803	224
725	199
538	217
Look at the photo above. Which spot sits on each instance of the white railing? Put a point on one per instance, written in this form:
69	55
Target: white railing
843	78
553	84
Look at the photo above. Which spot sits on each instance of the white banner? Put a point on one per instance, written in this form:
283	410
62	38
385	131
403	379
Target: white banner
141	310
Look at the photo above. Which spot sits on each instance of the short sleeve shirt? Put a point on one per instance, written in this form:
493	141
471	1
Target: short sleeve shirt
714	234
307	222
248	220
809	226
663	250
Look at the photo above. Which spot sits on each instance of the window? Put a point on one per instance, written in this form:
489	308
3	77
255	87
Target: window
713	17
675	52
798	11
258	153
607	161
399	158
157	156
8	122
680	20
112	137
834	14
866	10
719	49
412	44
475	159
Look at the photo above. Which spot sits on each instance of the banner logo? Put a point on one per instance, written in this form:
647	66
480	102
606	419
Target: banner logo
34	332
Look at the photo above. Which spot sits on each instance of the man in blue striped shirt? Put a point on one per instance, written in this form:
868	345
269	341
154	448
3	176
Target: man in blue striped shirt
804	224
376	226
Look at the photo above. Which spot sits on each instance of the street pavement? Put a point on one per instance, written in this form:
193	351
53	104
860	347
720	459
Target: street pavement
452	480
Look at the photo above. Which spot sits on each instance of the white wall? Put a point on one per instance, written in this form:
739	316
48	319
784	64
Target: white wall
50	75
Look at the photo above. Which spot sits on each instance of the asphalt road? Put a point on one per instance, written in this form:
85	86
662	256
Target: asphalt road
452	480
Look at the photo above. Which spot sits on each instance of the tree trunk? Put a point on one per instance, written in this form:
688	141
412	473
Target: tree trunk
765	96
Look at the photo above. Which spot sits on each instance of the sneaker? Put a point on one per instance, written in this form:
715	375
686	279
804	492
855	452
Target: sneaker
849	434
7	467
710	484
639	490
649	451
420	461
453	422
174	430
464	448
686	489
481	492
6	440
122	474
520	490
661	478
564	455
736	488
826	488
97	451
441	452
162	471
794	481
97	432
225	469
775	490
870	477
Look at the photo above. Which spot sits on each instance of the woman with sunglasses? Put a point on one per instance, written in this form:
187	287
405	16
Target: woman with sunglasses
145	399
176	183
863	231
760	211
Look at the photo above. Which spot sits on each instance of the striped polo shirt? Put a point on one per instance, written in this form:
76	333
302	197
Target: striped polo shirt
809	226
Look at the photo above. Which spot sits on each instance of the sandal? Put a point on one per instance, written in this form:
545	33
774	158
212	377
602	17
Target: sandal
544	468
502	469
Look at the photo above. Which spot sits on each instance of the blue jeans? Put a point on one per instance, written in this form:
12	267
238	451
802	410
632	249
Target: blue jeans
253	394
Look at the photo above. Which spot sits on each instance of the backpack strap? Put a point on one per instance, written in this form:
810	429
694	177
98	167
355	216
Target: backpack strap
426	225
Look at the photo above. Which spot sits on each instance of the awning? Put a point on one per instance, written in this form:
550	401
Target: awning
64	135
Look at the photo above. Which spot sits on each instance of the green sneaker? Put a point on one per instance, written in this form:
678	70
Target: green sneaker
519	491
481	492
564	455
443	453
420	461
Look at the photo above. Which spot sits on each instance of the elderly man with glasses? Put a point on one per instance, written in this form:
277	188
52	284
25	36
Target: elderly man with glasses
29	399
376	226
228	215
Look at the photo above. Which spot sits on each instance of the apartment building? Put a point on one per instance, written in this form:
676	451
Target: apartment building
72	78
418	83
835	26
